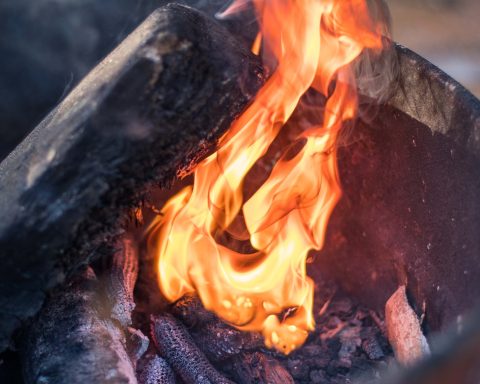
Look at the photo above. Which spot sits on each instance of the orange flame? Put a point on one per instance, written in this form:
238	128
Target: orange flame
313	43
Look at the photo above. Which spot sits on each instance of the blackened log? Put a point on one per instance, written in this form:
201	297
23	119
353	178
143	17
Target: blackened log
121	278
69	341
147	113
220	341
216	339
191	311
175	344
155	370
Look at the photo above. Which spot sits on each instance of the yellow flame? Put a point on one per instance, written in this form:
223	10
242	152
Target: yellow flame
313	43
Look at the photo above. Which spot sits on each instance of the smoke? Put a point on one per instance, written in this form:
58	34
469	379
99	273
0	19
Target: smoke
376	72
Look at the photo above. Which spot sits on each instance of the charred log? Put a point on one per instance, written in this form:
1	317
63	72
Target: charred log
216	339
177	347
137	344
145	114
69	341
155	370
121	279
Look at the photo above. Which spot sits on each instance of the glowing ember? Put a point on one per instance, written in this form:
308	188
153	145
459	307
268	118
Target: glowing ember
313	44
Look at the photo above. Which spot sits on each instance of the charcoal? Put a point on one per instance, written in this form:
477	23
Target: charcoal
137	344
156	370
342	306
370	344
259	368
175	344
220	341
335	351
217	340
297	368
70	342
121	278
318	377
350	341
145	115
191	311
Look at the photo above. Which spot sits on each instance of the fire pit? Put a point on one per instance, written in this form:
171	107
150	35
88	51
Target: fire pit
91	291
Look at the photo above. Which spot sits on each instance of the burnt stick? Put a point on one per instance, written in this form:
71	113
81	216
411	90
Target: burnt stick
177	347
121	279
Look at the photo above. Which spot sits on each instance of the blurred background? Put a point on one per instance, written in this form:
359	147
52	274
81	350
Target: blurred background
446	32
47	46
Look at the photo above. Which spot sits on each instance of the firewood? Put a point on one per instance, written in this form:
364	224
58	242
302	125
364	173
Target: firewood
217	340
156	370
146	114
70	342
175	344
121	279
220	341
403	329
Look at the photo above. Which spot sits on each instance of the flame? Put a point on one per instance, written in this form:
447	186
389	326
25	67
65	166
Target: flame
311	43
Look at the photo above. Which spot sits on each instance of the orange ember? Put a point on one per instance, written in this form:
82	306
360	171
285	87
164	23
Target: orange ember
313	43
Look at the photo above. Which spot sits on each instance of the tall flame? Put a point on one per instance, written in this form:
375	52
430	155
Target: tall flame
313	44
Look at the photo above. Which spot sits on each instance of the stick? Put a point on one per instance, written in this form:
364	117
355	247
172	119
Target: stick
177	347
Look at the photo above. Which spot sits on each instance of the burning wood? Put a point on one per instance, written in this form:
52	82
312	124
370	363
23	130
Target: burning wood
217	340
71	342
121	279
150	110
404	329
177	347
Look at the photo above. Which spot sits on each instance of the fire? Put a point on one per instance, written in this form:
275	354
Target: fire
312	43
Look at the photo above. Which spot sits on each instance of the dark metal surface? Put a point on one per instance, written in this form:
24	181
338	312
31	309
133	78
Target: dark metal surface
411	209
